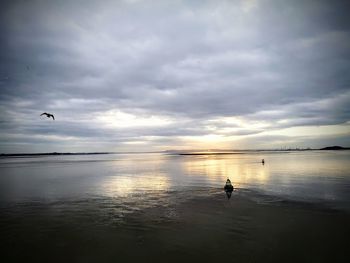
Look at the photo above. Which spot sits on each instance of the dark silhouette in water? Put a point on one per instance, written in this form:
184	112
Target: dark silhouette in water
48	115
263	161
228	194
228	188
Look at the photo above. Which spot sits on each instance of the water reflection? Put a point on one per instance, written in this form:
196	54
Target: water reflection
138	177
132	175
245	169
297	175
124	186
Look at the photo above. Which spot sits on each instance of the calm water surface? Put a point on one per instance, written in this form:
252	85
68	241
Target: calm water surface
135	181
151	207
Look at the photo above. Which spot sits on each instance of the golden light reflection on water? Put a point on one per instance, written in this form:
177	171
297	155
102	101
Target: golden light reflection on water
136	176
159	173
126	185
240	171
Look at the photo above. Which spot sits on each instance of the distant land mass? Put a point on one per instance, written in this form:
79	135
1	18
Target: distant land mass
45	154
186	152
62	153
335	148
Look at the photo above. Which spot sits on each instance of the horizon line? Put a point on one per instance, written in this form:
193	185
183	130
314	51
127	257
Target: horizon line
217	151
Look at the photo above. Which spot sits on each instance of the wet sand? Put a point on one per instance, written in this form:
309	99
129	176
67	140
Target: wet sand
209	228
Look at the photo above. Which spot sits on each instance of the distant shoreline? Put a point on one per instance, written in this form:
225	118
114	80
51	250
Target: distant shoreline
59	153
47	154
195	152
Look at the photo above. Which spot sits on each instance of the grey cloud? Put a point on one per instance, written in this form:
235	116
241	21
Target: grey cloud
190	60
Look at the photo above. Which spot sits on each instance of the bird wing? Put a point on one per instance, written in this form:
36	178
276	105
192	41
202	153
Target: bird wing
53	117
43	114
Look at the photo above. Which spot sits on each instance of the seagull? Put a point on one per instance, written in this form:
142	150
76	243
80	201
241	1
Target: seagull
48	115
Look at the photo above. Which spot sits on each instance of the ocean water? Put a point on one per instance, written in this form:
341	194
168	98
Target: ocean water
135	181
152	207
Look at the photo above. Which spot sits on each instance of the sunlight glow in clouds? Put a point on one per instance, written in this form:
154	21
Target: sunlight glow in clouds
154	75
119	119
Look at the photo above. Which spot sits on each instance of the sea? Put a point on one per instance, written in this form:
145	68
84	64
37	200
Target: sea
143	179
51	199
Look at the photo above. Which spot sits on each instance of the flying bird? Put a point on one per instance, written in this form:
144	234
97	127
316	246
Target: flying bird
48	115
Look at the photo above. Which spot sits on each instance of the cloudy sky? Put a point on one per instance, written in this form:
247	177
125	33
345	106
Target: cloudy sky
158	75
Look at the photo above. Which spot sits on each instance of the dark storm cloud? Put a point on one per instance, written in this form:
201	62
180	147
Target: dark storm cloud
285	63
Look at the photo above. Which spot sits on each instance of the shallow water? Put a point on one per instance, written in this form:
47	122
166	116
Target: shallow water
136	181
132	207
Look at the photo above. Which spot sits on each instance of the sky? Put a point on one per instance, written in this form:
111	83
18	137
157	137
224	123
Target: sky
160	75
